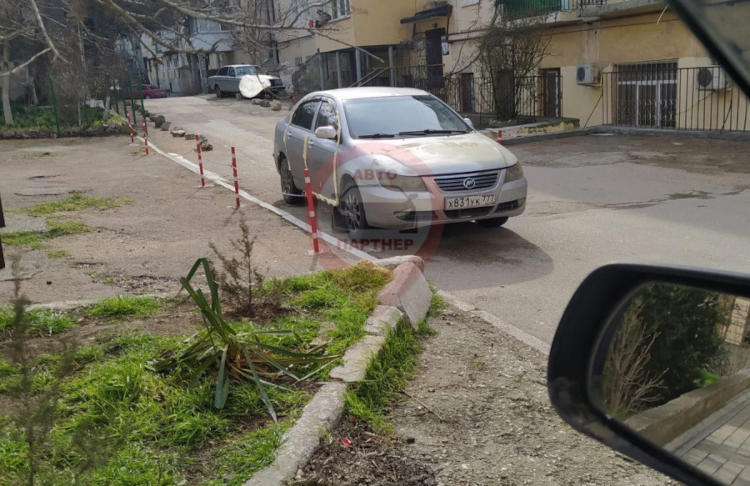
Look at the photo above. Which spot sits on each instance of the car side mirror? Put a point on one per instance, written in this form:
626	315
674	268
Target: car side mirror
326	132
653	362
469	122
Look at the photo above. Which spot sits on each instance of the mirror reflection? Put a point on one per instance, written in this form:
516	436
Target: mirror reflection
676	371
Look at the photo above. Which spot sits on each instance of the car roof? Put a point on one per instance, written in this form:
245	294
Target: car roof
240	65
369	92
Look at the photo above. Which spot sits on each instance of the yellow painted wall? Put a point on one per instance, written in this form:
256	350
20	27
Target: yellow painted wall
609	42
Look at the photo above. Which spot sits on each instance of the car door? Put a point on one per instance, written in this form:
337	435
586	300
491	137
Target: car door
321	150
299	127
229	81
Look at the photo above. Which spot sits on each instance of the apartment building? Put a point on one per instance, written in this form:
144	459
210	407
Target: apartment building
618	62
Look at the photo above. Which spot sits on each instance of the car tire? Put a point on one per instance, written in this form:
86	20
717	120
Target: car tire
351	211
219	93
492	222
289	191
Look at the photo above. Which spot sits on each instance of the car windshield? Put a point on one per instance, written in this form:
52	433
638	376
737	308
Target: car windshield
401	115
252	70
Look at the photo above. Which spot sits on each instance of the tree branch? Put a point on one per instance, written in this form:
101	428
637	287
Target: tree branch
44	31
29	61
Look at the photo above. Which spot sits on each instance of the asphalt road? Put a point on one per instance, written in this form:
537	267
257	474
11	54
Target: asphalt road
592	200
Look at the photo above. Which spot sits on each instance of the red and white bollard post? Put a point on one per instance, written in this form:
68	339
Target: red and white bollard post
236	179
200	159
130	126
145	135
311	212
500	137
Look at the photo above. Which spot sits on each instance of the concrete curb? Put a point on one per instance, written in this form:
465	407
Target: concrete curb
407	295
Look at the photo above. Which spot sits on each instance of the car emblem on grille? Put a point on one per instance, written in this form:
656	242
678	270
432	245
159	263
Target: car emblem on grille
470	182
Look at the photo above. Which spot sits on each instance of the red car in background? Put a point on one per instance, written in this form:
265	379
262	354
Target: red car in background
150	91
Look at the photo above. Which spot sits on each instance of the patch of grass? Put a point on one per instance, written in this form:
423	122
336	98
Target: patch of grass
40	321
248	454
55	254
345	297
362	283
78	201
436	304
124	306
55	227
385	378
59	227
23	238
424	329
154	427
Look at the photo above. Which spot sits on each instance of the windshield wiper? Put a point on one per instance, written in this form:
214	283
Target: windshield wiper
430	131
377	135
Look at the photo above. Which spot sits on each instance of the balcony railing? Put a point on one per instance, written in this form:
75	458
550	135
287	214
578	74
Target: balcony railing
518	9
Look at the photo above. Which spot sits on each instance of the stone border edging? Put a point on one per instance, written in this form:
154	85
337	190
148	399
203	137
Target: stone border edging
664	423
408	296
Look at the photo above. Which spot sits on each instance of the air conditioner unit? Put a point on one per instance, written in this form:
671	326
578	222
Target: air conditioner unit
587	74
710	79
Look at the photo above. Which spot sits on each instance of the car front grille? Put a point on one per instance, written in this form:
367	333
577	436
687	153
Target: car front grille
455	182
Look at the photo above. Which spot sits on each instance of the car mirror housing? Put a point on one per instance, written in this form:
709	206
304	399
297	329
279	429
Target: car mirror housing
620	370
469	122
327	132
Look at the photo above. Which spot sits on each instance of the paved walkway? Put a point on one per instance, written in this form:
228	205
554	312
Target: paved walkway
720	444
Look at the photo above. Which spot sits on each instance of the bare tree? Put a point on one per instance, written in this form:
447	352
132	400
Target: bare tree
628	386
511	50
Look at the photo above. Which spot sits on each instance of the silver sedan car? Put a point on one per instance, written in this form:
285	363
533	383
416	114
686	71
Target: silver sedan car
395	158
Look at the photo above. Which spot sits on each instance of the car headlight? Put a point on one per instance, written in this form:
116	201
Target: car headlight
514	172
404	183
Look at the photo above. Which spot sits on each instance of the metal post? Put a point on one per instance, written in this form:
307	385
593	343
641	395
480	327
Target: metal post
358	63
132	101
320	69
140	90
338	69
390	66
123	93
115	98
2	225
54	104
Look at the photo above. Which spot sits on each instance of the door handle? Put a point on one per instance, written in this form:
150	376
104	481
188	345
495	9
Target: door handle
289	133
311	142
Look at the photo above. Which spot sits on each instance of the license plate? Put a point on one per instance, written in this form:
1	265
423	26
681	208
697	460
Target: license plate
465	202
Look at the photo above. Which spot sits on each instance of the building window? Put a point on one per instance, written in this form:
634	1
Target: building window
646	94
340	9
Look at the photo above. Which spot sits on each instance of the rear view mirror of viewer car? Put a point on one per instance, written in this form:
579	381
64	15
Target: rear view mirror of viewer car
654	362
326	132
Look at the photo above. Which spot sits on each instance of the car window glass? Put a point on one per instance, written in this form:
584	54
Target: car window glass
304	115
251	70
400	114
222	72
326	116
230	72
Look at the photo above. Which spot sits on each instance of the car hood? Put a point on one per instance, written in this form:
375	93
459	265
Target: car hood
433	155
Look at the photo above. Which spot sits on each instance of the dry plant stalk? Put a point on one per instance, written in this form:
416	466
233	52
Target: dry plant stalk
240	278
627	386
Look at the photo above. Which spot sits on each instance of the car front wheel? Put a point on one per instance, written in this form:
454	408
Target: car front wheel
352	211
492	222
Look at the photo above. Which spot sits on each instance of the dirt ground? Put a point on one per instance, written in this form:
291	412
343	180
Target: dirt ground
715	157
142	247
477	413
